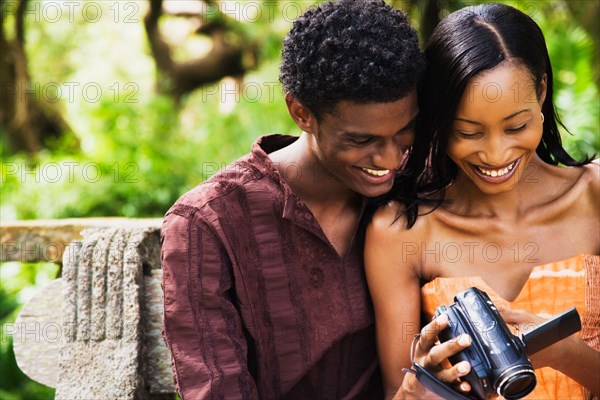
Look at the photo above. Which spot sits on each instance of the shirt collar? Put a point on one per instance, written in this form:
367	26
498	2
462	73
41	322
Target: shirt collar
260	154
294	208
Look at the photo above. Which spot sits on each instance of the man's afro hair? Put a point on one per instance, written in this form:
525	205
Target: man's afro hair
363	51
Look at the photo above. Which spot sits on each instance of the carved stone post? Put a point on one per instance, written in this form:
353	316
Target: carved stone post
104	353
95	333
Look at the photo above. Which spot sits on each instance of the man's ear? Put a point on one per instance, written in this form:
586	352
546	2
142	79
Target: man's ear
301	115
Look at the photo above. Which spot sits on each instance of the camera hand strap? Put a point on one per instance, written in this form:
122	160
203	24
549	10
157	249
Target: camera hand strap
435	385
430	381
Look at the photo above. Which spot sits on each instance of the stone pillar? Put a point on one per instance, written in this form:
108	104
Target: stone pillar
103	354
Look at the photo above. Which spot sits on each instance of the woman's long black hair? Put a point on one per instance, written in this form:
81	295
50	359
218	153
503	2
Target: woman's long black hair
464	44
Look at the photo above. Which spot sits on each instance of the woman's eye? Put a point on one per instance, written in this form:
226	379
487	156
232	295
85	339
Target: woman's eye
518	128
468	135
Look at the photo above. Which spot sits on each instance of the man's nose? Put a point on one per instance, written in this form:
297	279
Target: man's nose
389	155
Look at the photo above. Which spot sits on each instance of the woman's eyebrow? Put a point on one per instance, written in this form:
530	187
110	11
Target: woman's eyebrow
468	121
515	114
503	119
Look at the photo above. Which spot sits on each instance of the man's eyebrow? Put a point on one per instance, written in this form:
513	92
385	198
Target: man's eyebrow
358	135
364	135
410	125
503	119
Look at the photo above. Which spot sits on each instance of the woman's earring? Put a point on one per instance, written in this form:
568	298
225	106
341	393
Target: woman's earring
542	118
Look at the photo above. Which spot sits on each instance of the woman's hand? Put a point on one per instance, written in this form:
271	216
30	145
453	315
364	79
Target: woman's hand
433	356
526	321
571	356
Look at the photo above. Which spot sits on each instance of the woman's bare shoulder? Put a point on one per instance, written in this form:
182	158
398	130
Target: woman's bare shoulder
578	191
592	173
390	223
388	216
388	264
578	184
587	184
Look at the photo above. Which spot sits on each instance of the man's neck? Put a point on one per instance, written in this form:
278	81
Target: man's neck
300	169
335	206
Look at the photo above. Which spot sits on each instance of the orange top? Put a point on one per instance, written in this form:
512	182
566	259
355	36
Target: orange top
551	289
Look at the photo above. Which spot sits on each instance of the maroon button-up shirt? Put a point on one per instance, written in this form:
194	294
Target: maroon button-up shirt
258	304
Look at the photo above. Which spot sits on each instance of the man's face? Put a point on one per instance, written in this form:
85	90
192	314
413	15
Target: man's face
362	145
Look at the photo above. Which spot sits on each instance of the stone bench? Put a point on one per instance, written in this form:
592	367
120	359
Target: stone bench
95	332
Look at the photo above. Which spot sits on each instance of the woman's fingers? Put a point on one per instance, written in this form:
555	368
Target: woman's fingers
464	387
439	353
450	375
433	355
429	333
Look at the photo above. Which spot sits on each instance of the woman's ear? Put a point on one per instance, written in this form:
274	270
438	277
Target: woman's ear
301	115
543	90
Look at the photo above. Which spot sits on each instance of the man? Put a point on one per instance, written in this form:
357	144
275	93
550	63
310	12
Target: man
265	295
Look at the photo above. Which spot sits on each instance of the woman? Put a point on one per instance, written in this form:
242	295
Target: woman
493	209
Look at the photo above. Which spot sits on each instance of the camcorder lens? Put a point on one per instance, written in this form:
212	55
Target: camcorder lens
518	385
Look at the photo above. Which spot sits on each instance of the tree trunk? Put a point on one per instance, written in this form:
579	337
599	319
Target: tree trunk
27	120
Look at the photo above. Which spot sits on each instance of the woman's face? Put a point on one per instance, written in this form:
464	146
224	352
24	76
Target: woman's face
497	128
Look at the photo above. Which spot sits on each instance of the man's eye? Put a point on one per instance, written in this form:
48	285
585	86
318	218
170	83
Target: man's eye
361	141
518	128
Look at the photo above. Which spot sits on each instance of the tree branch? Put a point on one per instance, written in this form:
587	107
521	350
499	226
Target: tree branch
224	59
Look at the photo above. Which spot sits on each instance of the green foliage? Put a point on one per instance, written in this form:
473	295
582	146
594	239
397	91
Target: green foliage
140	151
17	281
576	95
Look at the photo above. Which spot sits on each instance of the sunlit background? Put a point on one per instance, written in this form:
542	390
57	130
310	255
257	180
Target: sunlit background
116	107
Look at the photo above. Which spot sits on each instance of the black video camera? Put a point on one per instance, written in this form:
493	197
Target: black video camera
499	360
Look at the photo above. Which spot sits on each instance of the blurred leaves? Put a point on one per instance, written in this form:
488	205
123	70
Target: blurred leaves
572	53
17	285
140	151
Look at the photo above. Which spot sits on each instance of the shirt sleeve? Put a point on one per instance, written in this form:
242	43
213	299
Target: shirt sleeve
202	328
